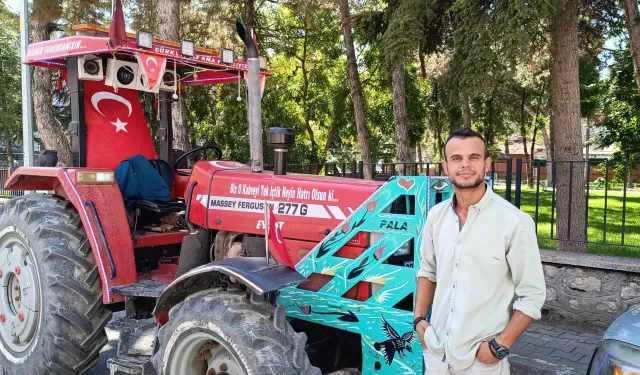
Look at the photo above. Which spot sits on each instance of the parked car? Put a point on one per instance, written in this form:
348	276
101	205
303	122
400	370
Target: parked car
619	349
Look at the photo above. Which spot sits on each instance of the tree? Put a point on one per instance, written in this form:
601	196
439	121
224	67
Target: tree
621	126
565	122
169	29
356	89
45	12
632	21
10	95
399	39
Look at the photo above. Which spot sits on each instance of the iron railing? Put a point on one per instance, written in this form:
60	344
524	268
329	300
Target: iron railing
608	197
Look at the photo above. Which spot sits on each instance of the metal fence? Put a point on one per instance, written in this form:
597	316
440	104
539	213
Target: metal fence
575	204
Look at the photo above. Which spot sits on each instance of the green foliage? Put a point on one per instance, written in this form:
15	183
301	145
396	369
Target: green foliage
11	93
622	109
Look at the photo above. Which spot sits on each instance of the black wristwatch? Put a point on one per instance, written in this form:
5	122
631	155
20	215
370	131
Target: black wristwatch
418	320
498	351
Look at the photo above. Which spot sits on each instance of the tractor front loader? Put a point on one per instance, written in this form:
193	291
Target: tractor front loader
177	245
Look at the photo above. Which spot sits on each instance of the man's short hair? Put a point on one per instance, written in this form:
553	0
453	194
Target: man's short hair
466	133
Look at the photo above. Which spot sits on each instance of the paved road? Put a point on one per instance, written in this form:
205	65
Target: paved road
107	352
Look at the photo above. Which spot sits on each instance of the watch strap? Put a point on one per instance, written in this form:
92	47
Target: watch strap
418	320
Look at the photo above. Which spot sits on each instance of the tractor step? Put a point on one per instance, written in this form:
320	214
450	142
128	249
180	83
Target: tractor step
135	346
130	366
143	288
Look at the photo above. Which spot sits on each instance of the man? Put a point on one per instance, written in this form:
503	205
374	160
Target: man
478	253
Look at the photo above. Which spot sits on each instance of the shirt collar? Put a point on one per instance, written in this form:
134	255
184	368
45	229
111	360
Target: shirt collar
484	201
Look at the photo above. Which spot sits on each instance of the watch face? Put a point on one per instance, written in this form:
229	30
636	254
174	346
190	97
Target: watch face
502	353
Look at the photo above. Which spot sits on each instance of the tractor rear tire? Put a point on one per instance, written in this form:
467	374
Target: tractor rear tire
239	336
52	318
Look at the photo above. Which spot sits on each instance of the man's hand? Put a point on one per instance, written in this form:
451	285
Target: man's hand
421	329
484	354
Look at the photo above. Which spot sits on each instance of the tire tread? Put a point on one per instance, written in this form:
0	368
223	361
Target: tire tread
74	333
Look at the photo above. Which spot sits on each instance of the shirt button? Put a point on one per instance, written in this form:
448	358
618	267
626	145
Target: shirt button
454	286
456	264
451	310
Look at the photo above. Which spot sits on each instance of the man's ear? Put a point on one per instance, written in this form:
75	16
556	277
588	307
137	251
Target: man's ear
487	164
444	167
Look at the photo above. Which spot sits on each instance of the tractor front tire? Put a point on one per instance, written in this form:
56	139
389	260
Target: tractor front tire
52	320
231	334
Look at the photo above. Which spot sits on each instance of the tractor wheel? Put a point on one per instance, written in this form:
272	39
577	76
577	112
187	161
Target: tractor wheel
51	315
224	333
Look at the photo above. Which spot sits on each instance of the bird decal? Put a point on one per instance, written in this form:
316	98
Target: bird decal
395	343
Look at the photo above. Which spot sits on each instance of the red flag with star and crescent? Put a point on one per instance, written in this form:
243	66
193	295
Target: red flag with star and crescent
151	68
116	126
280	253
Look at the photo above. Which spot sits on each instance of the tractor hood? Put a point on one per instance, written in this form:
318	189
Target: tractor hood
229	196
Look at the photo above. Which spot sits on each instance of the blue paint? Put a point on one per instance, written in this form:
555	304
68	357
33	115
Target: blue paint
389	343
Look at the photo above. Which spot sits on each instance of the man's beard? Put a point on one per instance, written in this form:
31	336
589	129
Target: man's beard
468	185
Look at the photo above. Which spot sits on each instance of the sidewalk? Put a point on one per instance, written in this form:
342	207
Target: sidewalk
548	347
551	347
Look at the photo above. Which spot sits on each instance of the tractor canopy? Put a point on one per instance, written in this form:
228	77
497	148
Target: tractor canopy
104	78
202	66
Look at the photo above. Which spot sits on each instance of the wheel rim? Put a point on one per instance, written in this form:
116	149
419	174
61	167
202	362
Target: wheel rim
201	354
19	296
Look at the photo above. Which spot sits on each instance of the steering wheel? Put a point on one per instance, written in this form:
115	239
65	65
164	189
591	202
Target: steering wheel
179	159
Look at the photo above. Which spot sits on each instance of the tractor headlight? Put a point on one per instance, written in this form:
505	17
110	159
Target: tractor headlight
95	177
616	358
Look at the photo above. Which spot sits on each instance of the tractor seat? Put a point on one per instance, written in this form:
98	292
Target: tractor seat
162	208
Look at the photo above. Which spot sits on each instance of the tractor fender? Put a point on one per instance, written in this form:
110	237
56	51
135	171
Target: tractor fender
103	216
253	272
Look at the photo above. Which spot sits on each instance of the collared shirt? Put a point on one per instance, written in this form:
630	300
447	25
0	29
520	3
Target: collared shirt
480	269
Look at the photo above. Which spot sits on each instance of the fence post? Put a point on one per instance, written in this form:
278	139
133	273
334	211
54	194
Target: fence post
354	167
361	168
624	199
508	181
518	181
586	206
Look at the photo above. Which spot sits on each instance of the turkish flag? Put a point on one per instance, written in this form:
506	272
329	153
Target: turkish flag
117	30
151	68
116	126
280	253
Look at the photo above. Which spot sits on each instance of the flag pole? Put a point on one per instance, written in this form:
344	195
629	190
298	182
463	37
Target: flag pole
266	231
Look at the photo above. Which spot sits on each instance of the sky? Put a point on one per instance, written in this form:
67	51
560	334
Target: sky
13	5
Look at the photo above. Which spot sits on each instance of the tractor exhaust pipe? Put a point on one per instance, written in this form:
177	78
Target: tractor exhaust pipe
255	105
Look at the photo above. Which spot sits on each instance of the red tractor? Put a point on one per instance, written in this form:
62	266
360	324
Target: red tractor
100	243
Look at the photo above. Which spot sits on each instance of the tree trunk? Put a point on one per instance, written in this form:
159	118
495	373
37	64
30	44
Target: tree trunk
169	29
356	90
330	135
249	20
47	124
403	152
249	15
532	153
466	110
567	148
506	147
523	132
9	144
632	21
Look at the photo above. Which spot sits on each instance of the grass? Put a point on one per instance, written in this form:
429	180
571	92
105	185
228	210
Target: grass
598	244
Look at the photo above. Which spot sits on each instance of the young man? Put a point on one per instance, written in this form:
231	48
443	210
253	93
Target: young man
479	252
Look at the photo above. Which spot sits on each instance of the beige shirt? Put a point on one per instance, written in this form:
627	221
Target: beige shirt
479	270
